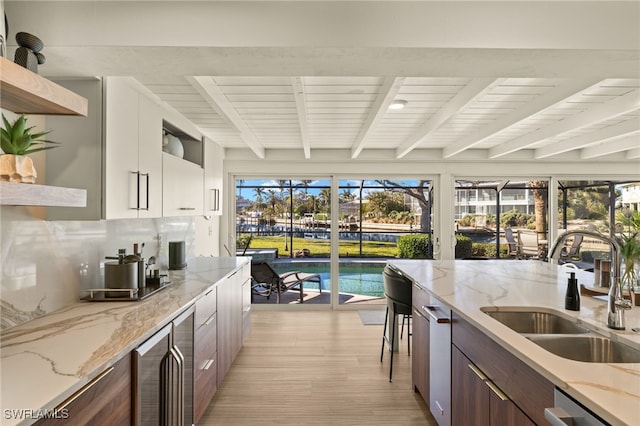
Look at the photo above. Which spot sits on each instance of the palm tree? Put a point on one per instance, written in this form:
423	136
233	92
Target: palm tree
539	190
325	199
259	193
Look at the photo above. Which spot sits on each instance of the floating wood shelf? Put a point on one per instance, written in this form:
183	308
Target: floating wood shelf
23	91
24	194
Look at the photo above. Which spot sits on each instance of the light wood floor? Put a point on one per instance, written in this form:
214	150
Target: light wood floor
316	368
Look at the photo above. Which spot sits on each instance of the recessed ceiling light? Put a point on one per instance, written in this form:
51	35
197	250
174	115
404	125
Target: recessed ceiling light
398	104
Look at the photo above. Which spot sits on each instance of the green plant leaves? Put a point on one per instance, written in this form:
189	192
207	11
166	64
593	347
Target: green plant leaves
17	138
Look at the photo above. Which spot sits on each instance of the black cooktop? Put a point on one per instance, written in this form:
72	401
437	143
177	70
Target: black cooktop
124	294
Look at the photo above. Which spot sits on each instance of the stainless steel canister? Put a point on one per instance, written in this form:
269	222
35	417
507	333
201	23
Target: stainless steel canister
120	275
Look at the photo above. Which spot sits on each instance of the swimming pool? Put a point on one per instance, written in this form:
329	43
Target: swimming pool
355	278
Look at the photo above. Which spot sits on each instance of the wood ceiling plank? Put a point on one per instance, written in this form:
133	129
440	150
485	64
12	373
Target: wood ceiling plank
621	105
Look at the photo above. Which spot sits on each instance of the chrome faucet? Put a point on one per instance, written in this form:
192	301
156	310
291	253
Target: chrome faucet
616	303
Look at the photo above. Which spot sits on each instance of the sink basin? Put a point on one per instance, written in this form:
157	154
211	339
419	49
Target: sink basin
590	348
534	321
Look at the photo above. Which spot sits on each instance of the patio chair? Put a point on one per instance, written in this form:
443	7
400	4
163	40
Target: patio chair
573	250
511	241
268	281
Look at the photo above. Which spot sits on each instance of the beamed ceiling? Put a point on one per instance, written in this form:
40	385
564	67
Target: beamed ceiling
481	80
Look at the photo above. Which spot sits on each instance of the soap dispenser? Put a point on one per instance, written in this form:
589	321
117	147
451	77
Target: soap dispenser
572	298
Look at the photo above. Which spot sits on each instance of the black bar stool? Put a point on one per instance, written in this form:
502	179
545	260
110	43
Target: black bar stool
398	292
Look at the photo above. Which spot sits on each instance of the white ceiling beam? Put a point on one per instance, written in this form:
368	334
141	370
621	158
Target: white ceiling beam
611	147
387	93
541	103
633	154
619	106
607	133
299	96
210	91
472	91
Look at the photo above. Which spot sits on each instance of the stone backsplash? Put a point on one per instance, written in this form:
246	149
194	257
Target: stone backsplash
47	265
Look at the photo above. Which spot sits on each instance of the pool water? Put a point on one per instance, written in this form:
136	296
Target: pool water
363	279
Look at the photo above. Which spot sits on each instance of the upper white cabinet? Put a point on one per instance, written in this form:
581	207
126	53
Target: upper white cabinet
213	177
182	172
182	187
133	153
115	152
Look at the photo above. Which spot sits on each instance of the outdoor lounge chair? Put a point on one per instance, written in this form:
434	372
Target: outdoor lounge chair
511	241
268	281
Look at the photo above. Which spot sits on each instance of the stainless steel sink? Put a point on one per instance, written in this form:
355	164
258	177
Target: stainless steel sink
534	321
591	348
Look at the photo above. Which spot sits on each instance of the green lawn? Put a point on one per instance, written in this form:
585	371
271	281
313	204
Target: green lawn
320	248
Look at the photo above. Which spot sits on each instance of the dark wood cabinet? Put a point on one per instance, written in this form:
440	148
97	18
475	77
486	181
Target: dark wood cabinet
420	343
105	400
420	355
229	322
206	352
478	401
514	392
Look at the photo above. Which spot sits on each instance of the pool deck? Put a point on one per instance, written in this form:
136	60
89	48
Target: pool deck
314	297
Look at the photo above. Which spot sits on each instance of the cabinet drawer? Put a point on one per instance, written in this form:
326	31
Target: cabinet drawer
205	388
205	345
420	297
528	389
106	400
205	308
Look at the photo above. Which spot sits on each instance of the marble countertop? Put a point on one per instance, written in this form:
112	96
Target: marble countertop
610	390
46	360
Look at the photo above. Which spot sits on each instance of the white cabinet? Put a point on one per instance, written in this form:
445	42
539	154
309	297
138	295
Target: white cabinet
213	177
182	183
115	153
133	153
150	158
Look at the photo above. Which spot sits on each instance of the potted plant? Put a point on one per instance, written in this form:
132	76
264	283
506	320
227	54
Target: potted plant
17	141
629	241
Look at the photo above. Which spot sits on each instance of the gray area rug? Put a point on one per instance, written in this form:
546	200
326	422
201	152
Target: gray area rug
372	317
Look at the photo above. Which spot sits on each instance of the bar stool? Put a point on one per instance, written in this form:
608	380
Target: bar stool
398	292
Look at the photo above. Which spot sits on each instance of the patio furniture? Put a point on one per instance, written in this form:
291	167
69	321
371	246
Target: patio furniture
511	241
267	281
573	250
398	292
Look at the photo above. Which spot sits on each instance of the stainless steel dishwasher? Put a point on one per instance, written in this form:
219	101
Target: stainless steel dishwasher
439	361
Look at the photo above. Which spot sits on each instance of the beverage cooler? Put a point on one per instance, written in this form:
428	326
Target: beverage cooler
164	375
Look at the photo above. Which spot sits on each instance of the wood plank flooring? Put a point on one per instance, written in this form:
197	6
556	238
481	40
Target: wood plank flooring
316	368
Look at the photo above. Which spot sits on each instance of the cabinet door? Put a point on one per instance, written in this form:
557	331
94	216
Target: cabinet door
206	366
182	183
505	412
183	342
150	158
469	393
420	354
106	400
148	363
205	352
213	177
120	149
476	400
229	322
246	309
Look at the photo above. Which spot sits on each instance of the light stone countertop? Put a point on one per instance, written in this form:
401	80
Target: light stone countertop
610	390
46	360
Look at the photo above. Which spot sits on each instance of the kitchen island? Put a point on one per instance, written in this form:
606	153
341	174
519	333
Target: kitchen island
612	391
46	360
